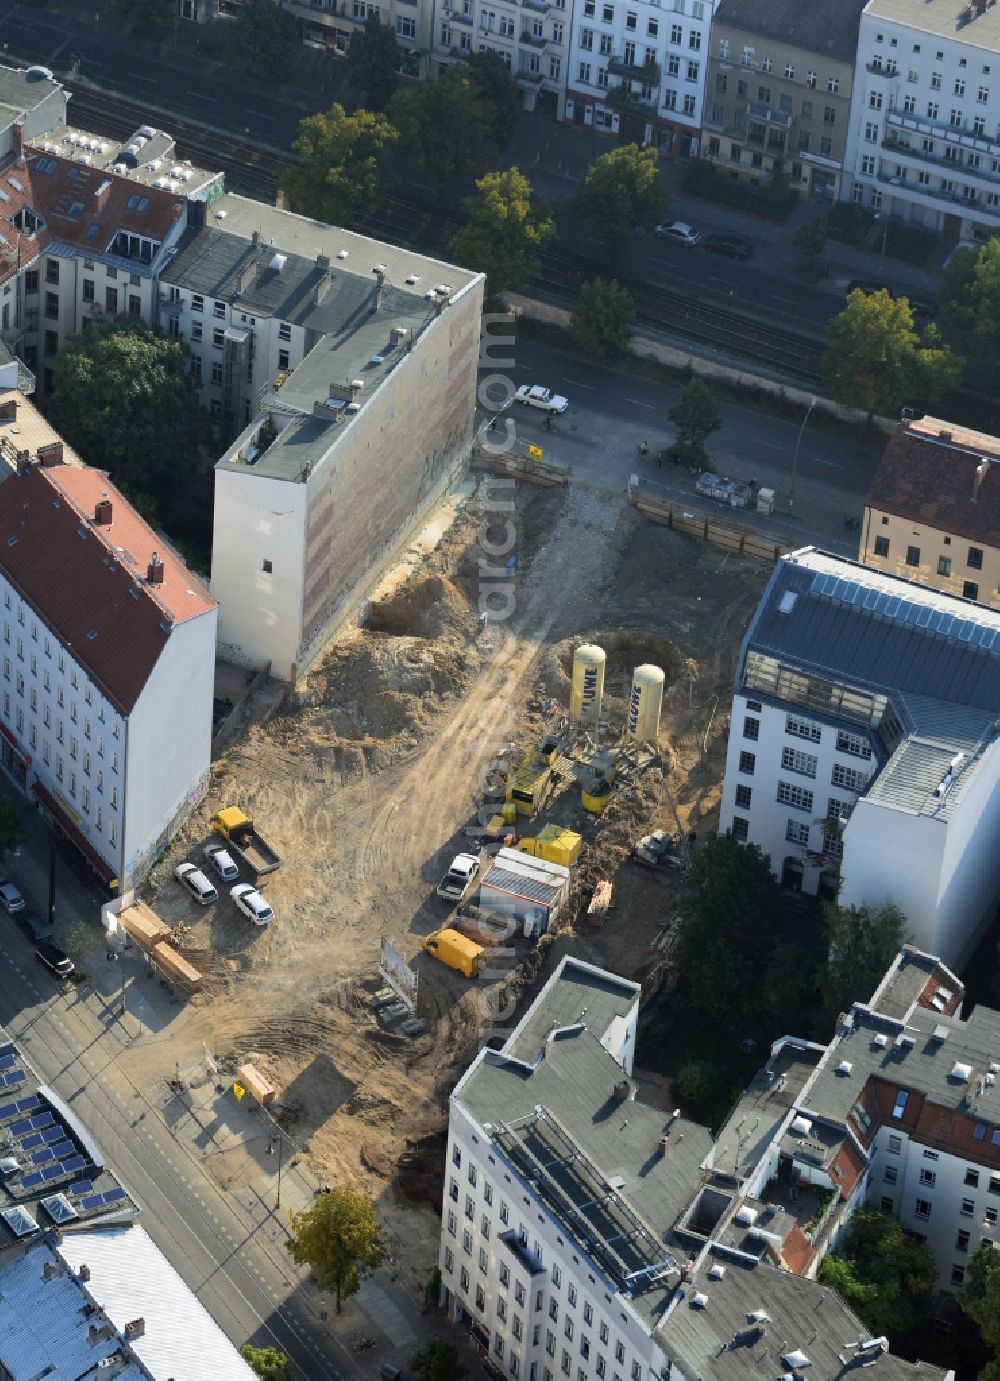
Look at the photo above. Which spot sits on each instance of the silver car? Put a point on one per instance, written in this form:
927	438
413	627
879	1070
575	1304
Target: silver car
196	883
10	898
222	862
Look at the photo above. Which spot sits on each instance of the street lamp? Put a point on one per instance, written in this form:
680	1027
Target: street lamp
885	233
795	457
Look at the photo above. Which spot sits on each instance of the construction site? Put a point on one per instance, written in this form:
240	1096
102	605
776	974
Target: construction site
426	732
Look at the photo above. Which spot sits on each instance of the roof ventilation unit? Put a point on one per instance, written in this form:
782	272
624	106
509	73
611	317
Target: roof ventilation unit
960	1072
844	1067
699	1301
801	1126
716	1271
278	262
880	1040
941	1033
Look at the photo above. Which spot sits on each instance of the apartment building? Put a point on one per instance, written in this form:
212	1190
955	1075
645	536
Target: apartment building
780	78
530	36
355	363
933	511
108	659
924	139
863	752
587	1234
637	71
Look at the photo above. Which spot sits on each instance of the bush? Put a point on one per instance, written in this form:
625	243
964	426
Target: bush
911	243
849	223
773	200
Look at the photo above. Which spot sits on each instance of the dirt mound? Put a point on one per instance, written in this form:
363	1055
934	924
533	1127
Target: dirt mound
432	607
420	1172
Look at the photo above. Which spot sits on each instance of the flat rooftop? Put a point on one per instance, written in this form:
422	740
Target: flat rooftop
148	156
947	18
27	431
760	1110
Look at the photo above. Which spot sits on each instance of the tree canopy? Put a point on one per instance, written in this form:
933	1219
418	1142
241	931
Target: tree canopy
437	1361
11	832
970	298
149	20
268	1363
696	416
344	164
446	127
811	238
499	92
620	192
504	231
340	1238
863	942
601	321
260	34
980	1301
876	361
884	1274
373	62
122	397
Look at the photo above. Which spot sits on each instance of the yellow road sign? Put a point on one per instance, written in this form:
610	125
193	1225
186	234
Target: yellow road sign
535	452
239	1090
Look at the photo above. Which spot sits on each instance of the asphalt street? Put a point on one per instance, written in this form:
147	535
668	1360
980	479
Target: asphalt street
612	411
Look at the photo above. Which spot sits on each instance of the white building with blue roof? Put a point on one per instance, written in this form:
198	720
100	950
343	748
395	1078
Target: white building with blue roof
863	755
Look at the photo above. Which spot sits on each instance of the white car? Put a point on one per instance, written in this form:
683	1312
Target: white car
679	230
196	883
537	397
222	862
10	898
251	903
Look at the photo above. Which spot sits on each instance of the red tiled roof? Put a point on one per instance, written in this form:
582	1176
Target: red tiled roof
928	476
66	197
88	581
852	1165
941	981
797	1251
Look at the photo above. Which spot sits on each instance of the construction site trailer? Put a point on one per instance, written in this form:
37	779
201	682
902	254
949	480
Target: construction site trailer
554	844
141	924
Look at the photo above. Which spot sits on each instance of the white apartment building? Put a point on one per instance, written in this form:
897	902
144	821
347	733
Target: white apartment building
531	37
924	139
588	1235
108	662
863	748
638	70
348	368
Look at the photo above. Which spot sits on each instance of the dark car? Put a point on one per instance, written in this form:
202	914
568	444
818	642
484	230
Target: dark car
868	285
55	958
33	923
729	246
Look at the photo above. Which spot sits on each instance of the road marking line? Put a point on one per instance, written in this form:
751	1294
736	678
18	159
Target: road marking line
200	95
637	404
589	387
831	463
135	77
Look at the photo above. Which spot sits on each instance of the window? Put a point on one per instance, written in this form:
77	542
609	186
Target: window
881	546
968	1208
406	27
928	1178
676	33
854	744
795	796
584	73
972	1177
886	1204
895	1145
218	337
741	827
922	1209
797	832
913	556
944	565
748	761
932	110
990	1216
962	1240
743	797
891	1171
803	728
868	165
52	271
970	590
899	1107
875	100
975	559
751	728
803	763
957	1275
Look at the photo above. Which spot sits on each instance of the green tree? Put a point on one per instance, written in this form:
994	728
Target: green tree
340	1238
268	1363
980	1300
260	34
810	239
80	939
696	416
373	62
620	192
446	129
122	397
343	164
862	943
504	231
698	1086
601	323
499	92
437	1361
876	361
970	298
149	20
884	1274
11	832
729	919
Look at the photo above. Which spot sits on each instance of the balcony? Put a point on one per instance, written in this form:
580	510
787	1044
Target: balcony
760	110
537	6
623	98
903	150
882	69
521	1253
649	72
532	78
939	194
458	16
533	40
941	129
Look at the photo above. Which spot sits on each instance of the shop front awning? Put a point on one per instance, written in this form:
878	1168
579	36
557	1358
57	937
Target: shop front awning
73	832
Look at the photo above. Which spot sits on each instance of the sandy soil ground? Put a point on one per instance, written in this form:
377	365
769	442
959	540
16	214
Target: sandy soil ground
366	777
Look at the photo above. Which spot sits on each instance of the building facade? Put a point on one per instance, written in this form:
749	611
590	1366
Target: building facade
587	1234
933	511
924	139
108	665
863	755
638	71
779	86
531	37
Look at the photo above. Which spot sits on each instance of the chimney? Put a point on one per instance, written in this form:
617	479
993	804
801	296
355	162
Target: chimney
255	238
51	453
136	1328
664	1144
50	1270
84	1272
101	194
102	513
622	1090
982	470
322	261
380	272
17	139
154	571
8	410
323	286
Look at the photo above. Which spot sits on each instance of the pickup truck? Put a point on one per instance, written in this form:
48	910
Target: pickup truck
453	886
537	397
245	842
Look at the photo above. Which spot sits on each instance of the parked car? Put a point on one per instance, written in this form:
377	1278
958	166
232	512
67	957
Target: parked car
223	862
728	246
535	396
387	1372
34	925
252	904
868	285
55	959
196	883
679	230
10	898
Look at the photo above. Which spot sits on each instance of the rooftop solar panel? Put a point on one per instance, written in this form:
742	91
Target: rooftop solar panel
29	1181
12	1077
75	1163
111	1196
91	1202
43	1156
6	1061
35	1139
81	1187
63	1148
